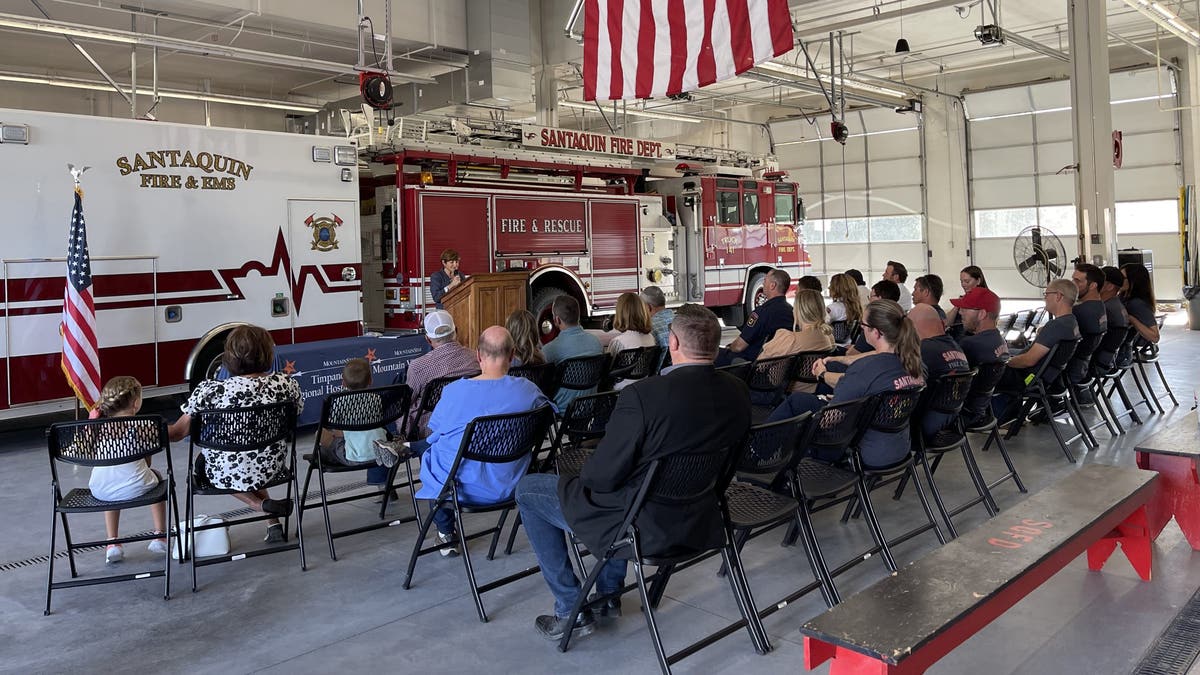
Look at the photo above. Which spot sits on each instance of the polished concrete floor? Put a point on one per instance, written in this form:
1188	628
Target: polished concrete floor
265	614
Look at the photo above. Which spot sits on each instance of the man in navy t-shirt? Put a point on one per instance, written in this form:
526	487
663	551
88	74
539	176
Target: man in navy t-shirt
985	346
940	355
1062	328
1090	313
927	290
770	316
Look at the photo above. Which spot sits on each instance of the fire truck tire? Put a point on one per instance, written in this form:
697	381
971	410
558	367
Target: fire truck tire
542	300
207	362
754	292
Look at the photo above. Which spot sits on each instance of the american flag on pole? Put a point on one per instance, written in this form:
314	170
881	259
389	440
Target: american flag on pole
654	48
80	354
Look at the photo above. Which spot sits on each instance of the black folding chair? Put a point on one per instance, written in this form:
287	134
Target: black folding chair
361	410
1082	385
1016	336
1147	355
493	439
740	370
634	364
802	366
768	382
1114	377
946	396
430	395
1005	323
541	374
108	442
581	373
681	479
983	386
243	430
844	331
1049	392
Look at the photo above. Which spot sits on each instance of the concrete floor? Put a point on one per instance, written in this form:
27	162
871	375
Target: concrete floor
264	614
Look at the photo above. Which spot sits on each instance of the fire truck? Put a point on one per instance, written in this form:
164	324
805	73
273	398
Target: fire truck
583	224
191	230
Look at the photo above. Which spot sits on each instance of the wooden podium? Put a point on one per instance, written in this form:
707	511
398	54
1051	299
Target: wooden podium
485	300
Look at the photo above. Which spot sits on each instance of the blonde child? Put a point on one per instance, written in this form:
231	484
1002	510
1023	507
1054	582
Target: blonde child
357	447
122	397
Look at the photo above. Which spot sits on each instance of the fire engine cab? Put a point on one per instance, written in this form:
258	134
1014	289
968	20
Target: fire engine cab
583	225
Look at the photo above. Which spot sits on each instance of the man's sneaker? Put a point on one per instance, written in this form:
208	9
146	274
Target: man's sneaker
274	534
552	627
448	539
611	608
387	453
157	546
114	554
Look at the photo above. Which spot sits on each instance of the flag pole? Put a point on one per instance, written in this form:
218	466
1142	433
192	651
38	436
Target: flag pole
76	174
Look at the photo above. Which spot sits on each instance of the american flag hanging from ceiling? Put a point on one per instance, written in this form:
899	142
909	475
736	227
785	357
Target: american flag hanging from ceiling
654	48
80	353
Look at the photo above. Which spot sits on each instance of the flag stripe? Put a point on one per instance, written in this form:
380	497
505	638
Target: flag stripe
654	48
80	360
590	20
646	37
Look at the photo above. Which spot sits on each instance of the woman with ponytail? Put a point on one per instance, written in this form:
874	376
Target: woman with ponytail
895	364
122	397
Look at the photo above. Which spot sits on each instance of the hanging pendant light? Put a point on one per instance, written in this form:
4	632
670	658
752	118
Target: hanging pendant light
902	44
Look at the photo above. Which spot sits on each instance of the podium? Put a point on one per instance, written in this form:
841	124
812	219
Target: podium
485	300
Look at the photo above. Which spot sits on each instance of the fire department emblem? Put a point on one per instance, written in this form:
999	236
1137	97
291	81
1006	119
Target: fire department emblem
324	232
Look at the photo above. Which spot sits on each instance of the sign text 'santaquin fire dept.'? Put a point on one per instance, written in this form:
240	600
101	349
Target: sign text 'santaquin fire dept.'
586	141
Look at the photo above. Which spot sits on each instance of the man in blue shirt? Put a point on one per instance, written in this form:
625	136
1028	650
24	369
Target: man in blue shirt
493	392
660	319
770	316
572	341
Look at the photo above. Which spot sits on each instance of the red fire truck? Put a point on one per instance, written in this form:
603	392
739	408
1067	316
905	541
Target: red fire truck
588	227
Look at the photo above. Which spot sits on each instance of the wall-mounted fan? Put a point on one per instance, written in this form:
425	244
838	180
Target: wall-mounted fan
1039	256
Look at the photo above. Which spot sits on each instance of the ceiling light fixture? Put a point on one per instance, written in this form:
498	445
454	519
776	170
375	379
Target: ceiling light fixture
1166	19
852	84
902	44
635	112
166	93
40	27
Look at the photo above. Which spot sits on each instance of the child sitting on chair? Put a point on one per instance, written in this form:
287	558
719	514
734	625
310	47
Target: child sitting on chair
122	397
352	448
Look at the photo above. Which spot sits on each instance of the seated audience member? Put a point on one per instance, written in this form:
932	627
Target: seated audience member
572	341
660	316
809	282
1090	313
940	355
846	304
927	290
122	397
1062	327
632	325
897	273
690	406
864	293
979	309
349	448
445	359
1114	310
882	290
527	350
248	357
810	333
969	278
1138	295
492	392
773	314
894	364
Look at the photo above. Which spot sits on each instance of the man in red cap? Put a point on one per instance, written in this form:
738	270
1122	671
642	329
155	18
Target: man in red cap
984	345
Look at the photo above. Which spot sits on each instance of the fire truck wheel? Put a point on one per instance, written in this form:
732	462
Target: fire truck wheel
542	301
754	296
208	362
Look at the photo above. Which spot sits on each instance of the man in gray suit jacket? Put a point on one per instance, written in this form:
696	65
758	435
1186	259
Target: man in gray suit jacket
690	406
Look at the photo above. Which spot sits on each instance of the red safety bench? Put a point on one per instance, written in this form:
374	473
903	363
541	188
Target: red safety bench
1175	454
907	621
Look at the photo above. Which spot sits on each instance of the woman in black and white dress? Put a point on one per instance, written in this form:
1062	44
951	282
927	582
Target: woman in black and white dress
249	354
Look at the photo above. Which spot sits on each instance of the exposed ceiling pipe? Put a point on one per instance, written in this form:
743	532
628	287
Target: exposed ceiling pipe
86	55
569	29
28	24
816	31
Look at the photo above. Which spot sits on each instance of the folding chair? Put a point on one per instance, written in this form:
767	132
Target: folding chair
108	442
1016	334
768	383
740	370
493	439
1082	383
430	395
1115	375
983	386
541	374
1147	354
1045	392
243	430
582	373
843	331
361	410
681	479
802	366
1006	323
946	396
633	364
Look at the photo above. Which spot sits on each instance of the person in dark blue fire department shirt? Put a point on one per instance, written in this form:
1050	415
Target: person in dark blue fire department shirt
770	316
940	355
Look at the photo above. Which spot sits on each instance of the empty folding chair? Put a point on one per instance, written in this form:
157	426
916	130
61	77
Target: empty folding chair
1016	334
679	479
494	439
102	443
261	428
359	410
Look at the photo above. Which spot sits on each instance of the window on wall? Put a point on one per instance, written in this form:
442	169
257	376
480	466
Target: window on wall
1157	216
837	231
727	208
896	228
1007	223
